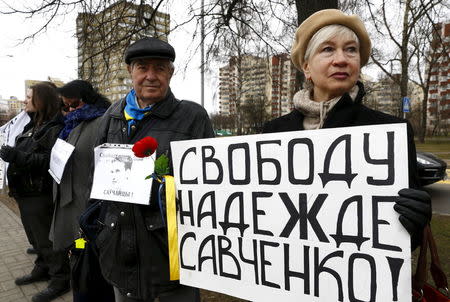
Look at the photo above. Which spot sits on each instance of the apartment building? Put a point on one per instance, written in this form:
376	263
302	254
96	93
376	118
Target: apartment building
438	118
282	85
103	38
14	105
244	81
384	95
266	82
9	107
56	81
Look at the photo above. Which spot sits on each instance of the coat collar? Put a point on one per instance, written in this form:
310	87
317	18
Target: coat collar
343	113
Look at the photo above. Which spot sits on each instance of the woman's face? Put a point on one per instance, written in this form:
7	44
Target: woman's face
334	68
29	107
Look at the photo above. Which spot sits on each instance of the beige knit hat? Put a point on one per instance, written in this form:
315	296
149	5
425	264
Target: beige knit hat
321	19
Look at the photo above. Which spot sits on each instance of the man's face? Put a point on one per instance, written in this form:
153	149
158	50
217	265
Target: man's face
151	79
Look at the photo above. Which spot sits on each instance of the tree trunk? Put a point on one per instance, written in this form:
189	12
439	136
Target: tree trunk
306	8
404	59
423	124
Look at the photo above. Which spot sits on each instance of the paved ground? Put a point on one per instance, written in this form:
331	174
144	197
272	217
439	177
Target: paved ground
15	262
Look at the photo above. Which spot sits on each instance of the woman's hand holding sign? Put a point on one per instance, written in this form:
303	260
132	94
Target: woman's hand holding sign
414	207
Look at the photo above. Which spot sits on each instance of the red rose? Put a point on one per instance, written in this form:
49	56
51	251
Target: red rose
145	147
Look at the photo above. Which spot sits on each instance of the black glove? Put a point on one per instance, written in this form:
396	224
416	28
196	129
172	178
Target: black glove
8	153
414	207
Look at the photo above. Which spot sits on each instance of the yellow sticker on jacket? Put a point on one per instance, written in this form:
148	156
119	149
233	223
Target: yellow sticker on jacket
80	243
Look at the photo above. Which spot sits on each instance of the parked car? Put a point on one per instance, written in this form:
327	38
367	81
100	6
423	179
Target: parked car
430	168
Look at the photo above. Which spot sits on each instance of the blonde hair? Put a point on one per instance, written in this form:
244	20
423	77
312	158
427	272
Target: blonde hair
326	33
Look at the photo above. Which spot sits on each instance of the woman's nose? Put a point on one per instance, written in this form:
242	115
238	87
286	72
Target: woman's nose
339	57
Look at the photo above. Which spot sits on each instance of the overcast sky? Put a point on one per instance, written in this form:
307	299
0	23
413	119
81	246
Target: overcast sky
54	54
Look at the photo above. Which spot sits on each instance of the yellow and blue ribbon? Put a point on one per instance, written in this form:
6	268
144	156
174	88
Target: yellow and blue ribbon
171	222
172	232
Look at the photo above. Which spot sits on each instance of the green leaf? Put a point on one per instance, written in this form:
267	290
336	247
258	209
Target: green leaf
148	176
162	165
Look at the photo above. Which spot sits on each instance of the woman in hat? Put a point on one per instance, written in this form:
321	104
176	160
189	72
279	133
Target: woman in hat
330	48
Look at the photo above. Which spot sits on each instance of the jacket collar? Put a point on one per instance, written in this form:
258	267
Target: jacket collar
163	109
56	121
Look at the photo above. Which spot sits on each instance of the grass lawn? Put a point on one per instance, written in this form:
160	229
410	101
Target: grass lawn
438	146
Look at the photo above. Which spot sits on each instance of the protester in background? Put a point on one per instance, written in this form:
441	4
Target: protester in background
84	107
330	48
10	131
31	185
133	242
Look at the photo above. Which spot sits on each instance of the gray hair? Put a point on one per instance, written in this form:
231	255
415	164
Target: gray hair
326	33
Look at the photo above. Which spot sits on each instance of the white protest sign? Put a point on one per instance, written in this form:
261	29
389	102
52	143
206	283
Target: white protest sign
14	127
120	176
9	132
295	216
59	156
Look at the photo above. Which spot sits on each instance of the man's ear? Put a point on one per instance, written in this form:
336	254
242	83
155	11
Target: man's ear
129	68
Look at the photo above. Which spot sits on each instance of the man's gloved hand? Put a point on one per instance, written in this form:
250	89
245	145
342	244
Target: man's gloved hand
414	207
8	153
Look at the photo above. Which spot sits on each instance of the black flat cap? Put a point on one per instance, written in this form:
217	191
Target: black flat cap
149	48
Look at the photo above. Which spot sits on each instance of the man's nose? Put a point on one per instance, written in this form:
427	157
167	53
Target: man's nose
150	74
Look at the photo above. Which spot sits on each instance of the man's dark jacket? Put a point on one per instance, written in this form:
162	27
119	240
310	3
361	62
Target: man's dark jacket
132	245
347	113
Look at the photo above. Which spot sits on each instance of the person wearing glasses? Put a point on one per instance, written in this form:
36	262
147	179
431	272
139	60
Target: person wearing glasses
83	106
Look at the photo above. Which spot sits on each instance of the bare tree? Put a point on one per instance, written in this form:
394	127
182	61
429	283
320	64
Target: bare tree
415	16
430	52
95	26
255	114
223	122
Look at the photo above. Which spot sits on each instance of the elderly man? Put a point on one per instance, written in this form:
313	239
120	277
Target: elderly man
132	245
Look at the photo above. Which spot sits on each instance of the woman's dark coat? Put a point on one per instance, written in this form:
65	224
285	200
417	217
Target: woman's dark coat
71	195
347	113
28	174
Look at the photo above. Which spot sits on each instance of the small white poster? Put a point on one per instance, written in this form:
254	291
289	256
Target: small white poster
121	176
295	216
59	156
